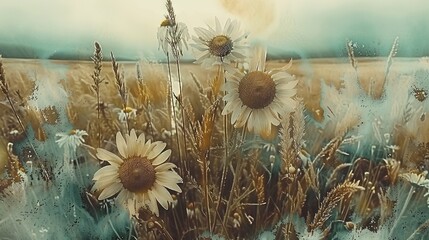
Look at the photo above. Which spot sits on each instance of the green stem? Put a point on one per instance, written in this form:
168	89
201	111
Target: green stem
407	201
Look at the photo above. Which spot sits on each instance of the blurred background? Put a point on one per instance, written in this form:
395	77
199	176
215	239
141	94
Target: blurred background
66	29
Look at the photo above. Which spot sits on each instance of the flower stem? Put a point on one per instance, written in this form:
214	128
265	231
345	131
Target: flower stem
173	110
407	201
180	99
236	174
421	228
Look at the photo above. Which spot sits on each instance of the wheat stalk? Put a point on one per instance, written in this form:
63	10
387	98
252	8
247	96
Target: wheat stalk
335	196
392	54
96	77
291	135
327	154
120	85
5	89
351	54
204	144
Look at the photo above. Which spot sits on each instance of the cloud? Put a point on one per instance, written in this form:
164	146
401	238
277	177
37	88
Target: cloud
258	15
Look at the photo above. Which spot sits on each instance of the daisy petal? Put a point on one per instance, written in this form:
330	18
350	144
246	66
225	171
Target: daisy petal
151	203
170	185
156	150
161	157
122	197
169	176
110	191
105	171
141	139
121	145
164	167
103	183
161	195
218	27
132	143
105	155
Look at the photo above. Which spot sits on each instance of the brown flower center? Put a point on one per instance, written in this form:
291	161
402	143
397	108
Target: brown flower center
137	174
220	46
257	90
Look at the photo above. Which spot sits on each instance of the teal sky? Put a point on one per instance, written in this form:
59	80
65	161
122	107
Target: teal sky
303	28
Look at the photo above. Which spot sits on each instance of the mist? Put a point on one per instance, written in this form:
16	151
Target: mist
299	28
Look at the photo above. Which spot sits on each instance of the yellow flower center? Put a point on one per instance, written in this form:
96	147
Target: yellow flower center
72	132
127	110
220	46
165	23
257	90
137	174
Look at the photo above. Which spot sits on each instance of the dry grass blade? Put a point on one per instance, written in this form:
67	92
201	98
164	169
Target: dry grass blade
327	154
259	184
97	59
335	196
197	82
351	54
216	84
119	77
204	144
177	33
3	84
120	84
336	175
96	77
392	54
206	131
14	165
5	89
171	15
292	135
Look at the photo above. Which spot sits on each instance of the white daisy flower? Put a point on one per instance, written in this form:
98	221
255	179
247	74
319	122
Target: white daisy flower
220	45
71	140
127	113
259	98
140	174
416	179
174	35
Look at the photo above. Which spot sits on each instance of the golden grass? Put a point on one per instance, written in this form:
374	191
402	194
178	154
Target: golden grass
227	191
75	76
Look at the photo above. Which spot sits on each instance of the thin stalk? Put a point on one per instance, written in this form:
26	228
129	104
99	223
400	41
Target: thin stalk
97	59
98	119
127	120
164	231
78	167
206	190
224	168
407	201
177	222
25	132
225	124
120	84
131	229
421	228
174	125
15	112
222	185
234	184
111	224
182	111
